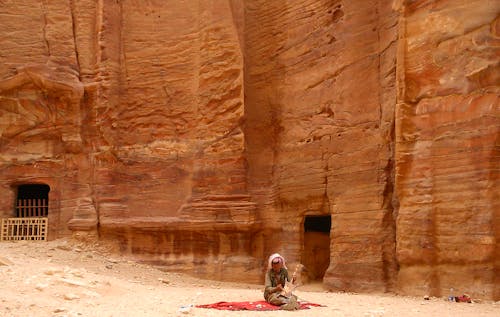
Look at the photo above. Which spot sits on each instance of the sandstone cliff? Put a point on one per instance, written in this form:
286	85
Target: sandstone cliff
204	135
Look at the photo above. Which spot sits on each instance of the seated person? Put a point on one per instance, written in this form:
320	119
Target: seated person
276	278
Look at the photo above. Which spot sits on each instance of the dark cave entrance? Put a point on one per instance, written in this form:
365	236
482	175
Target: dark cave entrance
32	200
316	254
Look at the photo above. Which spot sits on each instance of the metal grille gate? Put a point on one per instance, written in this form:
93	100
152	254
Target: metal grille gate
32	207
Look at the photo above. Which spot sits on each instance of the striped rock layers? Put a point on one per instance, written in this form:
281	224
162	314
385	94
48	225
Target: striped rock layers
205	135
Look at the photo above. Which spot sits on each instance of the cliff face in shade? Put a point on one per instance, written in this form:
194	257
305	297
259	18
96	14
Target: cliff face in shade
200	134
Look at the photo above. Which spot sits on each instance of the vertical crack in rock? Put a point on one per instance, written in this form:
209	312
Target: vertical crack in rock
44	28
386	196
325	204
386	124
238	17
389	205
73	25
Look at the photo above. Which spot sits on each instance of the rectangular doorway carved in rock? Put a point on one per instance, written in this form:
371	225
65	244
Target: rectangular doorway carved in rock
32	200
31	211
316	252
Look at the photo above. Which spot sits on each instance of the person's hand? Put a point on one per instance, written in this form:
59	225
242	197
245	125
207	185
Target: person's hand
279	288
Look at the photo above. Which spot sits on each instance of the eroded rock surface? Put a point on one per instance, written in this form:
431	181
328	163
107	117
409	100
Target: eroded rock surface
200	134
447	149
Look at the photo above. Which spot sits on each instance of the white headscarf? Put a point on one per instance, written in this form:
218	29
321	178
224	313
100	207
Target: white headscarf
274	256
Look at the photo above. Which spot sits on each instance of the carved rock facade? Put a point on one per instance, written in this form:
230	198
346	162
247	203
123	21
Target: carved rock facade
206	135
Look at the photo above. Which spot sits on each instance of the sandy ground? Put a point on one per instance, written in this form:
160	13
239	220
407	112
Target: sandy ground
69	278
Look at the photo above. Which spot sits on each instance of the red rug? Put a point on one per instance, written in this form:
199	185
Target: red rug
257	305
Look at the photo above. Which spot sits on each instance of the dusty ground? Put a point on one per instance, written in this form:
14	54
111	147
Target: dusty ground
69	278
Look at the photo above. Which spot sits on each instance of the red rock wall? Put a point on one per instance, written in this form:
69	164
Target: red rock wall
41	93
447	149
320	83
199	135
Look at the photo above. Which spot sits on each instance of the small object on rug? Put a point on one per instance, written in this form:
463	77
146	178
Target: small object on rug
256	305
